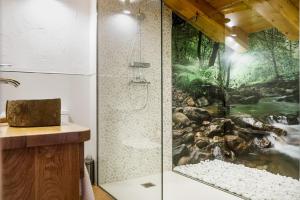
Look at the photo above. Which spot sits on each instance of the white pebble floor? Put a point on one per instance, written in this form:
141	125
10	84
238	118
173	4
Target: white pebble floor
247	182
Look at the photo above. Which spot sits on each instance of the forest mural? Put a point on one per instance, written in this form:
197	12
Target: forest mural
236	107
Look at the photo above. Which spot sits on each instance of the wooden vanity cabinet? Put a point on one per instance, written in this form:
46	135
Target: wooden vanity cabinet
44	163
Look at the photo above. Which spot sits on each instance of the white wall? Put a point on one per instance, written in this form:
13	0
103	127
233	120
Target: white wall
46	37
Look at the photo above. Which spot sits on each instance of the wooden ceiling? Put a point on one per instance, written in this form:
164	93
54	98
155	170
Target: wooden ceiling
231	21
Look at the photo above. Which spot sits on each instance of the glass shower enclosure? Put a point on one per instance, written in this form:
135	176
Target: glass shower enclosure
236	96
129	87
206	90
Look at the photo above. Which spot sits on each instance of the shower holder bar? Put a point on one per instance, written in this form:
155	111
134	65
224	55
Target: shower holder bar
140	65
140	82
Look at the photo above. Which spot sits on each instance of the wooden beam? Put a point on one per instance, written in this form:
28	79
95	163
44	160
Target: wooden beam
194	14
287	10
282	14
228	6
240	38
205	18
209	11
295	3
234	8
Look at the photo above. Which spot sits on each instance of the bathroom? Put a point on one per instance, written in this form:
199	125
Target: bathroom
152	81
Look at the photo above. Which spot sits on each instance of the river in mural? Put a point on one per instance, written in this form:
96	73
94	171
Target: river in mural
236	108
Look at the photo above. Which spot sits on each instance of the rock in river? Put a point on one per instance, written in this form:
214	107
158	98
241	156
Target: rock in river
179	152
219	127
202	102
188	138
181	119
262	142
226	124
196	114
217	153
290	119
198	136
236	144
202	142
190	101
197	155
180	132
177	133
184	160
247	121
214	130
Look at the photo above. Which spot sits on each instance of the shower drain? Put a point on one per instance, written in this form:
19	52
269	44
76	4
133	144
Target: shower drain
147	185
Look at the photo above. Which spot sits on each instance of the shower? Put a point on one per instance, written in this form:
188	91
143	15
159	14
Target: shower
137	64
129	121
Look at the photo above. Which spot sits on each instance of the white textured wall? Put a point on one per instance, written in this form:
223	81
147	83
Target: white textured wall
51	36
47	35
130	139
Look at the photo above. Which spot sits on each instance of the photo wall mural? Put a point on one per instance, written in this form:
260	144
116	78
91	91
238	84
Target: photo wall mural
239	108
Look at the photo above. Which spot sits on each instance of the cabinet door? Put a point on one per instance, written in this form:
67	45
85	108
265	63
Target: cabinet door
42	173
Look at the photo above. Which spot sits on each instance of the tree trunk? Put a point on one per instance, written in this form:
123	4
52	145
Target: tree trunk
177	56
290	50
221	71
199	46
228	75
214	54
275	64
273	53
291	63
221	78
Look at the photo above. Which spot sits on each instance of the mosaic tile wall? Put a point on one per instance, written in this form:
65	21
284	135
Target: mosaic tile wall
130	136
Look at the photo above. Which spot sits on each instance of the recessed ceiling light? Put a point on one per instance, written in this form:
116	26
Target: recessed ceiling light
127	12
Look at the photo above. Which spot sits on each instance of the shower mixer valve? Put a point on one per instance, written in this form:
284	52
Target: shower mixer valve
138	75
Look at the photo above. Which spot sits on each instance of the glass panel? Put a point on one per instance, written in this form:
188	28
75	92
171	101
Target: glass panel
236	96
129	45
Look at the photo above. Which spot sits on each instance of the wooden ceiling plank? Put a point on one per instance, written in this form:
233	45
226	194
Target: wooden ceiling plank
241	36
208	10
287	10
253	28
209	21
220	4
234	8
189	9
274	17
228	6
295	3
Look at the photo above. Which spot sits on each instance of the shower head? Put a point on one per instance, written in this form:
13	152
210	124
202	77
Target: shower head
140	16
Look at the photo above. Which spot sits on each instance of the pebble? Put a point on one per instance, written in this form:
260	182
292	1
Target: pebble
248	182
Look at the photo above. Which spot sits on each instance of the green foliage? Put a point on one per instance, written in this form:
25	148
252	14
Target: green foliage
191	77
271	56
275	52
185	44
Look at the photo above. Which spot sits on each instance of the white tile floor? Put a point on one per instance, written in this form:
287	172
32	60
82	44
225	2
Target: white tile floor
176	187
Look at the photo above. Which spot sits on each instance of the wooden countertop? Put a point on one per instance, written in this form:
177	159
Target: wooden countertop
13	138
